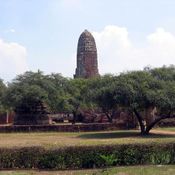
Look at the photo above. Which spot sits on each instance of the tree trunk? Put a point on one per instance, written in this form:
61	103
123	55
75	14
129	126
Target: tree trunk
74	117
109	117
146	129
141	122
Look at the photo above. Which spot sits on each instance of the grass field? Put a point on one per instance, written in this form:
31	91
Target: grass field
57	139
134	170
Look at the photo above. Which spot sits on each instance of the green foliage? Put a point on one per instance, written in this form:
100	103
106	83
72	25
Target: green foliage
109	160
52	161
35	87
165	73
87	156
134	91
20	158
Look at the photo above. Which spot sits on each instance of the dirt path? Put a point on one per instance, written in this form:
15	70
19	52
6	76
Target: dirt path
163	132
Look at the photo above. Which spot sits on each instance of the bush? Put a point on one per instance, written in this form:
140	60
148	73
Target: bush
87	156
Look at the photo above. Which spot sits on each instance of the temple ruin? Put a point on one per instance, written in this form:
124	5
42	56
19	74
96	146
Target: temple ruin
87	64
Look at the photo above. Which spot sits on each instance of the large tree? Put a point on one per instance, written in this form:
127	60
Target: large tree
140	92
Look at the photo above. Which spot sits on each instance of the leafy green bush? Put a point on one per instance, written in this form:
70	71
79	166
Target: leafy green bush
110	159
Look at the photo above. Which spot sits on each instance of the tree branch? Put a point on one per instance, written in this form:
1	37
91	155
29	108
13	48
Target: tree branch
109	117
149	127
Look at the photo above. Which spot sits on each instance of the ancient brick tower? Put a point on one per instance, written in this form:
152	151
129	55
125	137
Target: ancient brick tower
87	66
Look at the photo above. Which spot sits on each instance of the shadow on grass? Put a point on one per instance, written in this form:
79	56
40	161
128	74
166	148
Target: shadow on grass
122	134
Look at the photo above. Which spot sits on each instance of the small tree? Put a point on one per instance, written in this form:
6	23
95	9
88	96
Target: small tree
28	97
73	100
101	94
28	102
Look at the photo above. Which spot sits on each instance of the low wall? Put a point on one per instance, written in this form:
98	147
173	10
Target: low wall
63	128
167	123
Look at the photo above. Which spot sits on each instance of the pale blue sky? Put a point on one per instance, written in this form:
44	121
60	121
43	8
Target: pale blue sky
46	32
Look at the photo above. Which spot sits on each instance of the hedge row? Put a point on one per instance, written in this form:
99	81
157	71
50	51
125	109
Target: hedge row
87	156
63	128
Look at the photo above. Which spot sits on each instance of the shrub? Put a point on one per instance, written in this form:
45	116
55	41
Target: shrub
87	156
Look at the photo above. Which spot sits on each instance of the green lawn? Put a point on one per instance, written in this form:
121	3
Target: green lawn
57	139
134	170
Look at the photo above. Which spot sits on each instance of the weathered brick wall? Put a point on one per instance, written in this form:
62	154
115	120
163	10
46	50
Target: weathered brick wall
6	118
63	128
167	123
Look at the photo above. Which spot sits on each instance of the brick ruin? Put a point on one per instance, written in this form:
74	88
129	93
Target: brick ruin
32	114
87	64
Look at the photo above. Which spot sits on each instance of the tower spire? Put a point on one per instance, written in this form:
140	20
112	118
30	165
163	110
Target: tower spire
87	64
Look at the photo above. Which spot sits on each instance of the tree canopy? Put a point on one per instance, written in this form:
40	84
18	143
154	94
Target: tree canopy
136	91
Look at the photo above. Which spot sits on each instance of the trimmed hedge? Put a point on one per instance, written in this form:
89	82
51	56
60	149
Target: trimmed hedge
63	128
87	156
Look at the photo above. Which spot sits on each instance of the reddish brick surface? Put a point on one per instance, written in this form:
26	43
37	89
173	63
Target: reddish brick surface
87	64
6	118
63	128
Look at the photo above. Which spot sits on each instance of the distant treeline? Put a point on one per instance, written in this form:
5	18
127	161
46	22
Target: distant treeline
135	91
